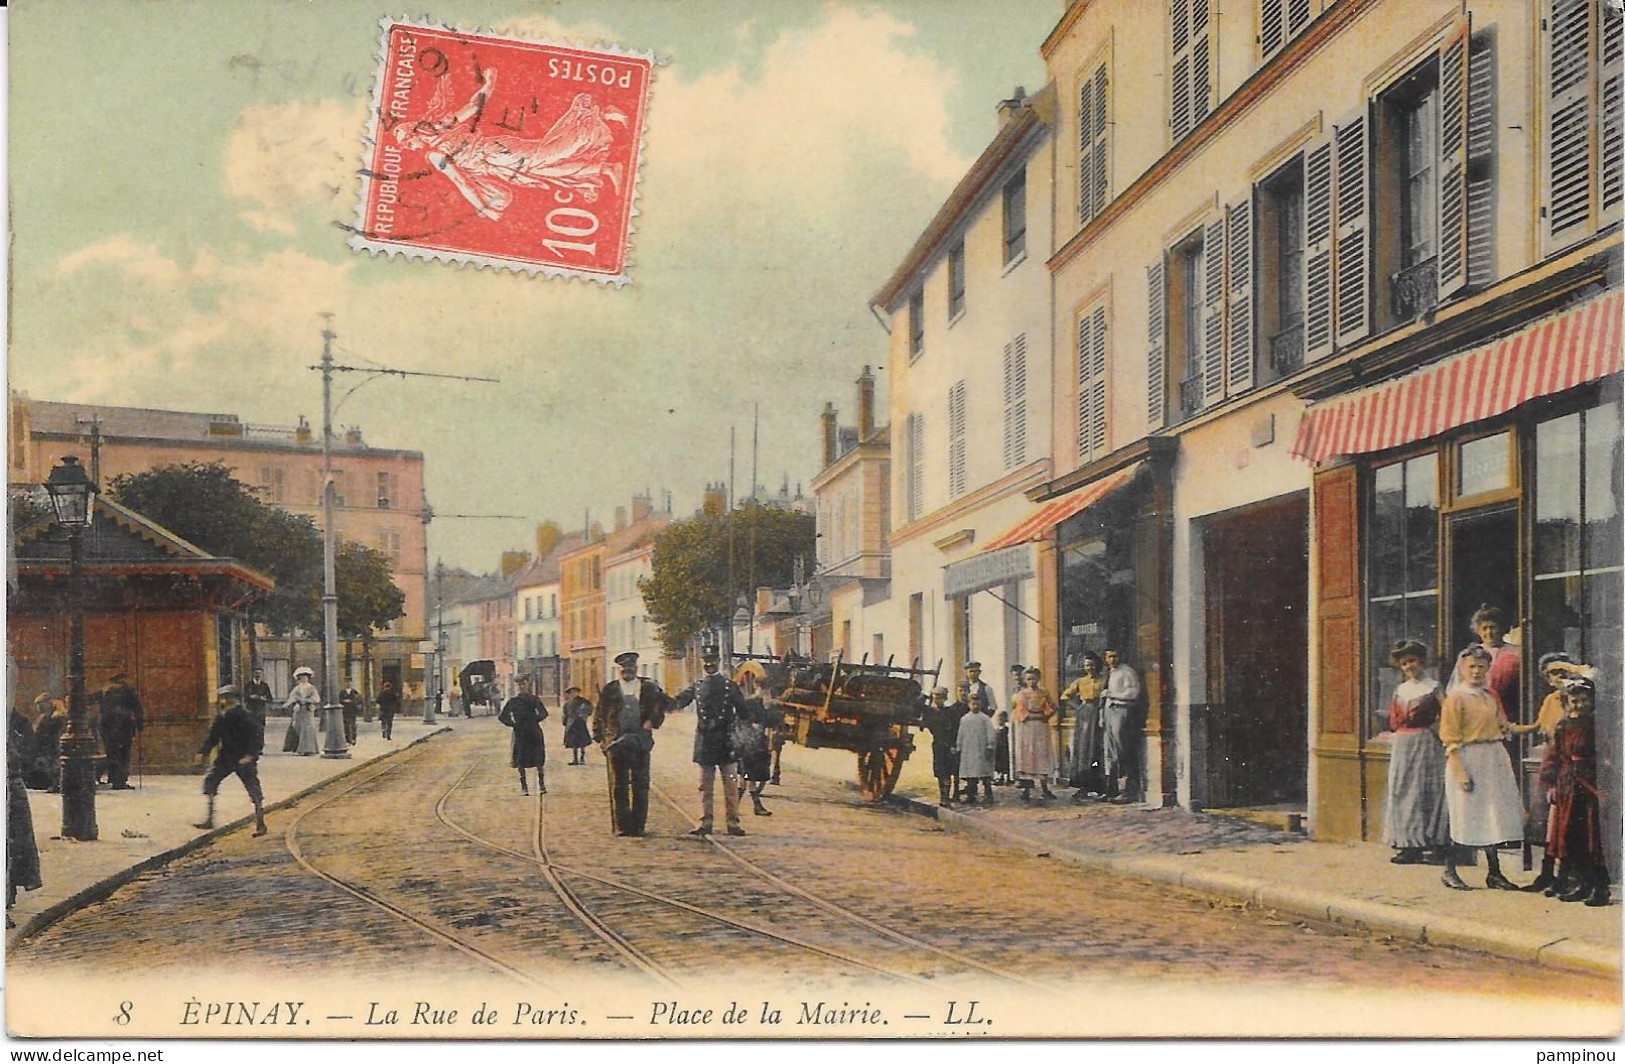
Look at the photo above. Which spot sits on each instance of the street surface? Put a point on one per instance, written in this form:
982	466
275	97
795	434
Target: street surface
431	869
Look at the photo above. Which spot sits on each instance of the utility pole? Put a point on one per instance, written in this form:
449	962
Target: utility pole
95	423
755	515
332	714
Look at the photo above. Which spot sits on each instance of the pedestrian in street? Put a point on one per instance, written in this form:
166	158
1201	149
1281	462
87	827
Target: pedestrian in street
629	710
942	721
389	704
304	700
45	771
240	741
1555	668
1569	774
350	703
122	720
1001	743
577	714
1031	711
1480	788
524	713
717	703
22	852
974	743
1122	699
257	696
1085	695
755	749
1414	817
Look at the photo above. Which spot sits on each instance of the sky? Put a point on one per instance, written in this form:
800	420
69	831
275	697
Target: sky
177	170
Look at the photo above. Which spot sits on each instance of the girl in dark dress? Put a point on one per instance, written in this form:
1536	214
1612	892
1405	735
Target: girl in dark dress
577	733
524	713
1569	774
755	755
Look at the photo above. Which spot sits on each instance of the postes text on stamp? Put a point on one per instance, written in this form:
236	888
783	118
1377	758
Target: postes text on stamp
503	152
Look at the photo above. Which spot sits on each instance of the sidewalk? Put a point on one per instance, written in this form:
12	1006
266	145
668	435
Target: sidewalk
1352	884
142	828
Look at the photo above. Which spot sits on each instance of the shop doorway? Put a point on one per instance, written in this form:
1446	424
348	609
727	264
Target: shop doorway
1483	553
1257	592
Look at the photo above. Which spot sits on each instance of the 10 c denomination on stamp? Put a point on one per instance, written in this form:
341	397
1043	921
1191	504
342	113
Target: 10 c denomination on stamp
503	152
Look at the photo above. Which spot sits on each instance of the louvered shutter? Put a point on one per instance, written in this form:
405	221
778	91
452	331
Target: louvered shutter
1097	387
1201	64
1452	183
916	466
1271	26
1317	251
1156	392
1015	402
1352	249
1480	160
1298	15
1098	183
1213	310
1568	130
1086	146
1190	97
956	440
1238	243
1612	147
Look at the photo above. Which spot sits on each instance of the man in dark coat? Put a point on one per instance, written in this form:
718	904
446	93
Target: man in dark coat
942	721
241	741
122	718
389	703
257	696
350	703
629	709
524	713
717	704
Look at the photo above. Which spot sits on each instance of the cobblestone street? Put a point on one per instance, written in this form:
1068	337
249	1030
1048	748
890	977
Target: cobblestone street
431	865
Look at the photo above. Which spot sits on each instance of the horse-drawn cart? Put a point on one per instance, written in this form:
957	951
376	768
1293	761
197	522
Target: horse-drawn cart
865	708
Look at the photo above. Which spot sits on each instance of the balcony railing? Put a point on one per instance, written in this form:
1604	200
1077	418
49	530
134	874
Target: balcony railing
1416	290
1286	350
1190	395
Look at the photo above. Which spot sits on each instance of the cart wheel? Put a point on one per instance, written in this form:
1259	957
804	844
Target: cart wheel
878	771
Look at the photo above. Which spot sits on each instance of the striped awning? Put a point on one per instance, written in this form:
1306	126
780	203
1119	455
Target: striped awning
1053	513
1560	352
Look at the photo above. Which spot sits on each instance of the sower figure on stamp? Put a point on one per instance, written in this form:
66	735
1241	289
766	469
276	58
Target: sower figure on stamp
122	719
524	713
629	709
240	740
717	703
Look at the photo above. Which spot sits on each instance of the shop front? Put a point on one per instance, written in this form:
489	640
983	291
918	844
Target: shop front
1490	478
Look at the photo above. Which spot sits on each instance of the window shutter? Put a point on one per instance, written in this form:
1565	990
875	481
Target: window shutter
1190	98
1271	30
956	440
1213	310
1452	183
1086	145
1612	148
1239	270
1156	398
1101	192
1201	64
1092	384
1016	403
1568	131
1298	14
1317	251
1352	251
1480	160
916	466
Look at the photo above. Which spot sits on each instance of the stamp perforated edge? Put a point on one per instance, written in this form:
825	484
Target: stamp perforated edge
358	240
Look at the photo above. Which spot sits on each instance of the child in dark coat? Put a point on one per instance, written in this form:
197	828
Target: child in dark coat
1569	774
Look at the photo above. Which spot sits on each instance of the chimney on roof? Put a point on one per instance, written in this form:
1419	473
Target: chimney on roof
301	431
866	405
642	508
352	435
714	503
827	418
1009	109
547	538
513	561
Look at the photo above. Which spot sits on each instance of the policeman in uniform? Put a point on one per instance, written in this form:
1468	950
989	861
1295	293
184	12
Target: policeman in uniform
122	718
718	704
629	709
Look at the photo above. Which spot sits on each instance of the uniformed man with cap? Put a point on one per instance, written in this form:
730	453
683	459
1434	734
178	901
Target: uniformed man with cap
241	741
629	709
718	704
121	719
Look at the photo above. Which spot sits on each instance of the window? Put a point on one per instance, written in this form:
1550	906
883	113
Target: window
1582	144
914	482
1015	402
530	647
956	440
1281	291
1484	465
388	490
390	544
1015	217
552	605
956	280
916	323
1091	384
1190	98
529	603
1184	326
271	484
1092	125
1279	21
1402	568
341	486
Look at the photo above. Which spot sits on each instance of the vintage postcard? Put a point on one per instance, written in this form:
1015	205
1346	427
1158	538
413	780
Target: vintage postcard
863	521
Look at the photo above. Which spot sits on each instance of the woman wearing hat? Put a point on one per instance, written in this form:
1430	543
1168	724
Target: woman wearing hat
303	700
1480	789
1414	817
577	734
1569	774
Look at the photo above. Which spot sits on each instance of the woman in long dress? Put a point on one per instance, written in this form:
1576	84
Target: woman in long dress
1414	812
577	733
303	700
1480	789
1030	713
524	714
1085	693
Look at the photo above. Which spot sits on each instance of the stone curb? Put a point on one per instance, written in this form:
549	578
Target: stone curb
1311	902
101	889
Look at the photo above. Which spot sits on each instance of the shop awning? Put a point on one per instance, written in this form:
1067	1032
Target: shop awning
1054	512
1563	351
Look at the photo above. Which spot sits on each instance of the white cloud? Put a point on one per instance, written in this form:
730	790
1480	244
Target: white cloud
284	159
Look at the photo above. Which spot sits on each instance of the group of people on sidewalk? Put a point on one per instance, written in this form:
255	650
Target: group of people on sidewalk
1452	786
974	742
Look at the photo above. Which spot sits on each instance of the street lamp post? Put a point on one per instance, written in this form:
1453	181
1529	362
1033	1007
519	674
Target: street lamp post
332	713
431	678
73	494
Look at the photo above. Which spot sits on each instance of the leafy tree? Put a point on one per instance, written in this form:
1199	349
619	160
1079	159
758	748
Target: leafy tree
368	598
688	588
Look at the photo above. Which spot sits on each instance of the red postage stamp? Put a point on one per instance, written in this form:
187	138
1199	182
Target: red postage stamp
503	152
